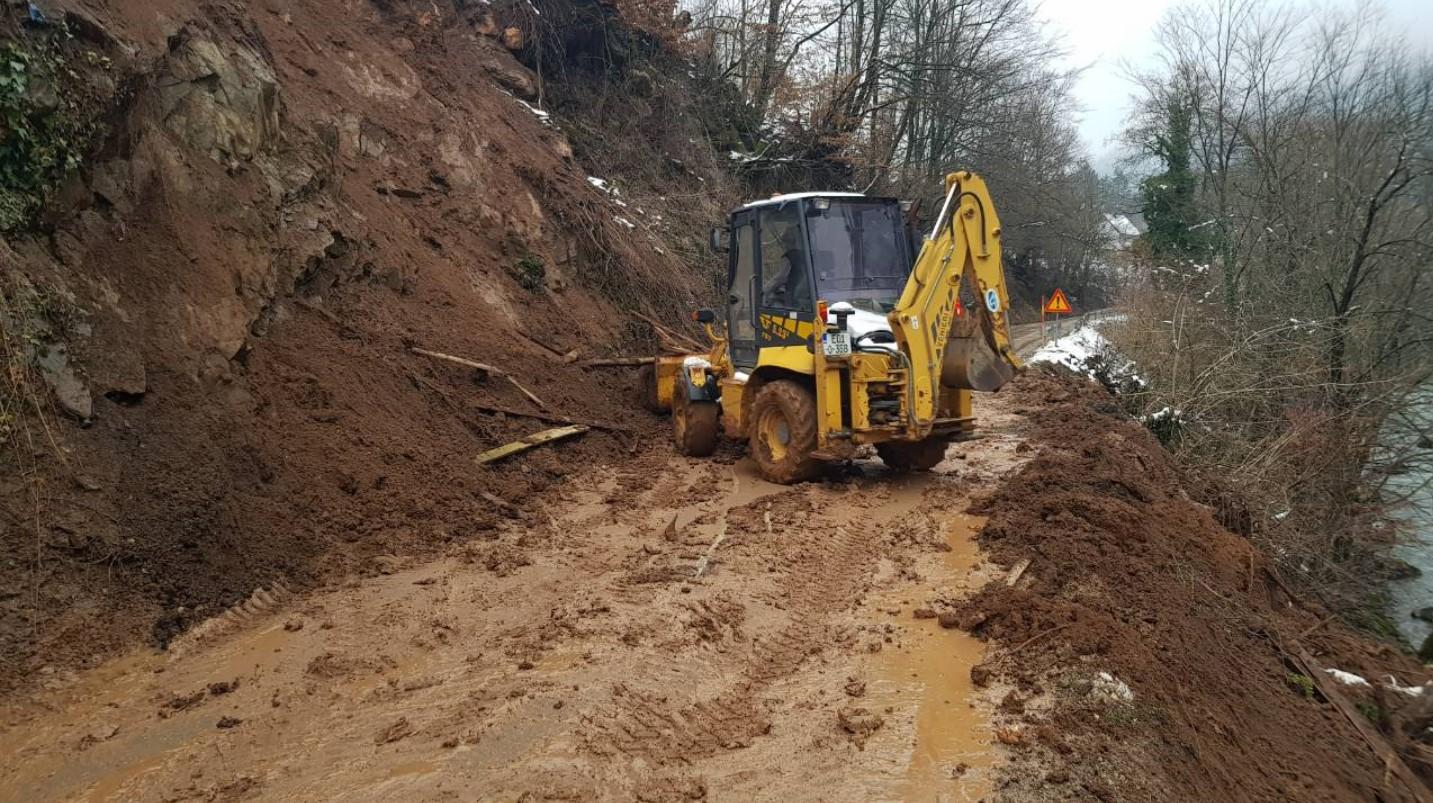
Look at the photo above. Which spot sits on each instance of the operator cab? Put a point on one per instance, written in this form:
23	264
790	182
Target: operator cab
788	252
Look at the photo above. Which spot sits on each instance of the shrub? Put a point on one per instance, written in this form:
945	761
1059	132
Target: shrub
45	128
529	272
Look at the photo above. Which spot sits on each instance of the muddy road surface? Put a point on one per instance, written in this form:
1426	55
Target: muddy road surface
662	629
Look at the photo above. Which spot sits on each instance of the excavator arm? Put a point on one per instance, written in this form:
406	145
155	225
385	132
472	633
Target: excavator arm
948	343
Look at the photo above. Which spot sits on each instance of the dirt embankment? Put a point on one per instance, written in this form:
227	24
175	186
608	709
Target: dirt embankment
289	197
1204	695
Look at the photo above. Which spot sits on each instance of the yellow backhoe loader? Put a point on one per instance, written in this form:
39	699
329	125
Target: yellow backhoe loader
837	336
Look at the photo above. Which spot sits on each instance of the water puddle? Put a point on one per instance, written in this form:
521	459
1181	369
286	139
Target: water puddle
928	675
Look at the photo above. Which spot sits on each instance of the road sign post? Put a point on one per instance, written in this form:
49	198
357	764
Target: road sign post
1057	305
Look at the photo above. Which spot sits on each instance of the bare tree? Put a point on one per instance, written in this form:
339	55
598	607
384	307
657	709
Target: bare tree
1301	328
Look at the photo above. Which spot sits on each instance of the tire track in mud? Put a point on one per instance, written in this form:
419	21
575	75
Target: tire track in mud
823	574
263	601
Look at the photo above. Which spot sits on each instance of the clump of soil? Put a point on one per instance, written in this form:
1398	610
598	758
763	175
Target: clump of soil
1160	642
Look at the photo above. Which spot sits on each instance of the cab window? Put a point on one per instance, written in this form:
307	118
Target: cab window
785	283
861	254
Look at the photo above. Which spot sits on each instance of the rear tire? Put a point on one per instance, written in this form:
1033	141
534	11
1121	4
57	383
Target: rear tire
903	456
694	424
783	432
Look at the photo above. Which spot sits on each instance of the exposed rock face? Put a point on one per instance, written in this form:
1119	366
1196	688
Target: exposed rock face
223	101
72	394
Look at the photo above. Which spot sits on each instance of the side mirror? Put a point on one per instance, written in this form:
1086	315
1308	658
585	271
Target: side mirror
704	316
720	239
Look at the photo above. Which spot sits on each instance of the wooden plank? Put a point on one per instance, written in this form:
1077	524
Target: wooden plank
553	350
535	439
1015	573
679	339
438	355
711	550
555	419
492	369
529	394
1381	748
614	362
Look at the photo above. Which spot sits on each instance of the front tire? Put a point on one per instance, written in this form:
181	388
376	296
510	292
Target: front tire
903	456
694	424
783	432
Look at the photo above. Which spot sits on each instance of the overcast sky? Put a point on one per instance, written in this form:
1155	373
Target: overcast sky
1099	34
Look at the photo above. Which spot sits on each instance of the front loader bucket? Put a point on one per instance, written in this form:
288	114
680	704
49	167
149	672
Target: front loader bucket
971	363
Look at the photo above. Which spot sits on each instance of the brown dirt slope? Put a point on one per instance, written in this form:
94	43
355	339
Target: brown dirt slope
1131	576
289	197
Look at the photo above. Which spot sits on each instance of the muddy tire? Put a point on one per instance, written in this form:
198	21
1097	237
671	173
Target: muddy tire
647	389
783	432
694	424
903	456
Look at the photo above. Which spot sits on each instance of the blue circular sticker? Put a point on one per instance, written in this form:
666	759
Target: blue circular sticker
992	300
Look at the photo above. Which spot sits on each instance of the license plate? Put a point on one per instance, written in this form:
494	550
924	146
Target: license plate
837	344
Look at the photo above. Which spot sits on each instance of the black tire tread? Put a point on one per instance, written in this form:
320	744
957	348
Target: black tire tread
799	407
698	438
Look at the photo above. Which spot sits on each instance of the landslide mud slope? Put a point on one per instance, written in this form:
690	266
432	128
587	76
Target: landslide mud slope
289	197
579	656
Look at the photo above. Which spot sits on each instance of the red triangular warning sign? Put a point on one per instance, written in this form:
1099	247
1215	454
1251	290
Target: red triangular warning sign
1058	304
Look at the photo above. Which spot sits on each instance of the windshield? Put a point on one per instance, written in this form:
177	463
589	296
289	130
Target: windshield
859	252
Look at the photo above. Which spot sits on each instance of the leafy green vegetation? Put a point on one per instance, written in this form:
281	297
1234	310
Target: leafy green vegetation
529	272
1374	714
44	128
1169	204
1301	683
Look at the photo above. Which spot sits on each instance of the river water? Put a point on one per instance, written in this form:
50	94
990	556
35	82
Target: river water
1416	515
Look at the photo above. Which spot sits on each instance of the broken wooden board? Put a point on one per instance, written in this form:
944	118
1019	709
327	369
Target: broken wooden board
555	419
1393	764
535	439
619	362
492	369
1015	573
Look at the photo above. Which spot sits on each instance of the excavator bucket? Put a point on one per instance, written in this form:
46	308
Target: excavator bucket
971	362
971	343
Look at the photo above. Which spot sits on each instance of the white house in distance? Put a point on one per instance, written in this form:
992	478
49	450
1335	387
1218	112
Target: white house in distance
1120	230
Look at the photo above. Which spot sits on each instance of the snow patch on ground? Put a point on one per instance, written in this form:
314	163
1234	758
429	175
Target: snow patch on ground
1073	350
1086	351
545	117
605	187
1112	688
1347	678
1162	414
1389	682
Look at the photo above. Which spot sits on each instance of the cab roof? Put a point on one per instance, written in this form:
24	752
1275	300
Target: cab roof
781	199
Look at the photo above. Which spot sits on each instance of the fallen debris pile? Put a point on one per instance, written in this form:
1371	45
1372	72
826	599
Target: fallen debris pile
1159	651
